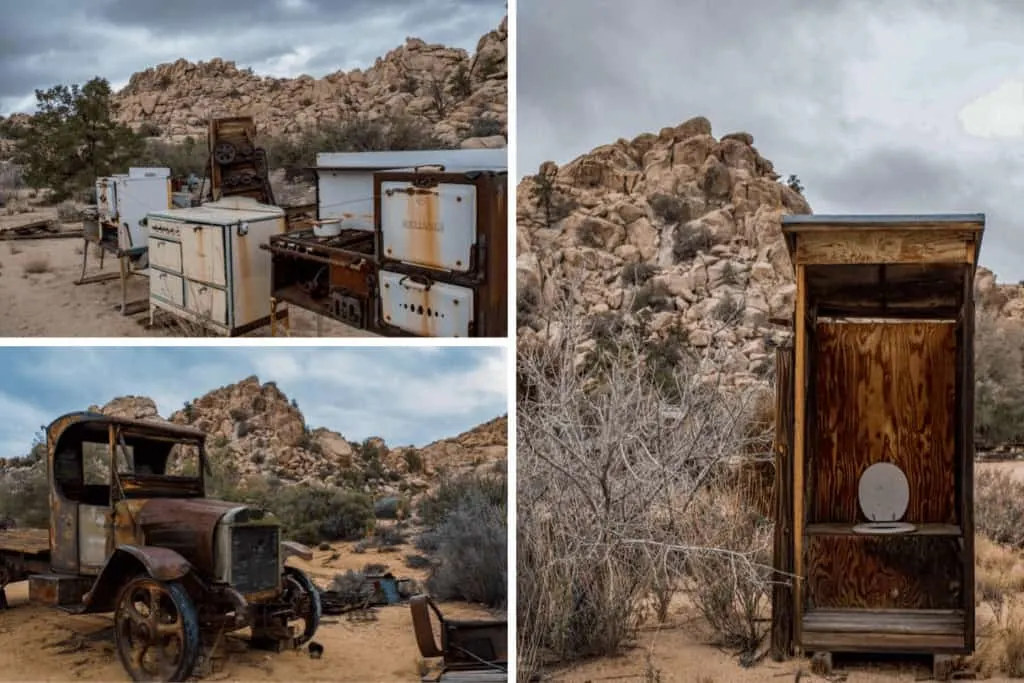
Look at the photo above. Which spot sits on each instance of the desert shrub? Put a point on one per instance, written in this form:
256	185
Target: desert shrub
999	507
652	295
484	128
296	153
637	273
550	197
472	563
413	461
689	241
150	130
459	84
182	158
612	469
999	387
435	507
728	309
24	491
392	507
238	414
313	514
670	209
414	561
388	536
427	542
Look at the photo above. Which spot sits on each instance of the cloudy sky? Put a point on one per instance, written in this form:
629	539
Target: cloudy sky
45	42
878	107
405	395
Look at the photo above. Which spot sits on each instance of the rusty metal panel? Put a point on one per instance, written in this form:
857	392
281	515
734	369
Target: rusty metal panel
106	199
202	249
92	538
429	224
425	308
64	529
54	590
184	526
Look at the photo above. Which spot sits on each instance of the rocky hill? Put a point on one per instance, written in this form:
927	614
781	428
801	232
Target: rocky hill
255	430
464	96
681	225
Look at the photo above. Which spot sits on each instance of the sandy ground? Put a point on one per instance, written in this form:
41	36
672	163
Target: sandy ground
41	644
680	651
39	297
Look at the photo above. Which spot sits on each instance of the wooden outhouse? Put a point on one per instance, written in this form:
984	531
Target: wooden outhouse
874	446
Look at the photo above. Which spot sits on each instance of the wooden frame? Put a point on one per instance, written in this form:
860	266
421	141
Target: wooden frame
881	369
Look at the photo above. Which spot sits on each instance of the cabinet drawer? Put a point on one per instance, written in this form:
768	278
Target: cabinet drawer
166	286
207	302
164	254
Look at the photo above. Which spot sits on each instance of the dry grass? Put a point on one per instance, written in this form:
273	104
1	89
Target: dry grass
37	266
67	212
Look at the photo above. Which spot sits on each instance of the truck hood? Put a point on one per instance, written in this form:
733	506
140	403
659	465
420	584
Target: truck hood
186	526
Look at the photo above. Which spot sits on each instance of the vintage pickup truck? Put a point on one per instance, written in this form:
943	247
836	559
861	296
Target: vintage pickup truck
133	533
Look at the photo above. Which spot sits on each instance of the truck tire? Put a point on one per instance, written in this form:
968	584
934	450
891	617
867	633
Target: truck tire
313	608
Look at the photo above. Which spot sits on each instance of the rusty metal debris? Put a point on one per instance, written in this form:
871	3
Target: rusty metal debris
237	167
469	649
146	543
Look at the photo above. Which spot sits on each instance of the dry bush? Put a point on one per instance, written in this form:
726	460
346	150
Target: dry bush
999	507
999	392
615	453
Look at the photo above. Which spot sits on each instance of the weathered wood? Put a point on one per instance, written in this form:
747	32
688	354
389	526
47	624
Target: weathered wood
30	541
965	446
885	393
782	590
884	572
799	438
878	246
846	529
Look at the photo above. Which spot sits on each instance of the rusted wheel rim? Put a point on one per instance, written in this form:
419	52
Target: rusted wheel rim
304	604
224	153
151	632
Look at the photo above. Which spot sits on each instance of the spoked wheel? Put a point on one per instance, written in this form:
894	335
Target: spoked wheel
224	153
304	598
156	630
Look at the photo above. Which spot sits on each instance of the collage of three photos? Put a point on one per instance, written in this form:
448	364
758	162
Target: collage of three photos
299	384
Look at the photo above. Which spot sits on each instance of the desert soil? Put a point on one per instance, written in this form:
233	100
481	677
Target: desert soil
39	297
681	651
41	644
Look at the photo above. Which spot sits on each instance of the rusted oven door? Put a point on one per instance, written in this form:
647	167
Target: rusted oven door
429	222
425	307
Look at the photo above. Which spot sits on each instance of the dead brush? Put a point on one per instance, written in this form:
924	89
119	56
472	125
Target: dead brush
67	212
999	507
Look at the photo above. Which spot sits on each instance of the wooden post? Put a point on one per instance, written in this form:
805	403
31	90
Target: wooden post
782	590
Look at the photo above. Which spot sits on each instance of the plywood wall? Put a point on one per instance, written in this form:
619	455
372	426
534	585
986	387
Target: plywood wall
884	391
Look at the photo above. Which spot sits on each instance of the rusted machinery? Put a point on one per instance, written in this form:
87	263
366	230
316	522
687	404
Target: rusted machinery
237	166
145	543
471	651
403	251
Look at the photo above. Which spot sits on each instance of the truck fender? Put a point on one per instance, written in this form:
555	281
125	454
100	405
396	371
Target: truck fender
163	564
293	549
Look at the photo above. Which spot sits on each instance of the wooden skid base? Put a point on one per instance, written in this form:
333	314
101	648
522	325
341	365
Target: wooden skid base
944	667
899	631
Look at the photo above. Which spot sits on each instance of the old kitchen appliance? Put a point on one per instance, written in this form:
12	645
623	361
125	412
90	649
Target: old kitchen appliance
118	225
331	267
442	241
207	266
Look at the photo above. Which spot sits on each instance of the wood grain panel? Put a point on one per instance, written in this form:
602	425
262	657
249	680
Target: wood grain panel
882	246
885	392
884	572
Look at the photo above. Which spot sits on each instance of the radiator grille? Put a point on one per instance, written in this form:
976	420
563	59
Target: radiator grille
254	558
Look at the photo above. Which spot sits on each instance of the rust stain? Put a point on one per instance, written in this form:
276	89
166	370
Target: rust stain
422	223
243	284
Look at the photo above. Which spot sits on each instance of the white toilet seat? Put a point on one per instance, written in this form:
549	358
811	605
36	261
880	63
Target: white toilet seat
883	493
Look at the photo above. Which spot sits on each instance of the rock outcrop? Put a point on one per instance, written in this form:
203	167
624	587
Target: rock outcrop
255	429
463	96
681	228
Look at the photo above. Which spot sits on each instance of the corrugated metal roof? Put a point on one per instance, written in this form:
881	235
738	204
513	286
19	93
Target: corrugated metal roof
455	158
882	219
225	211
